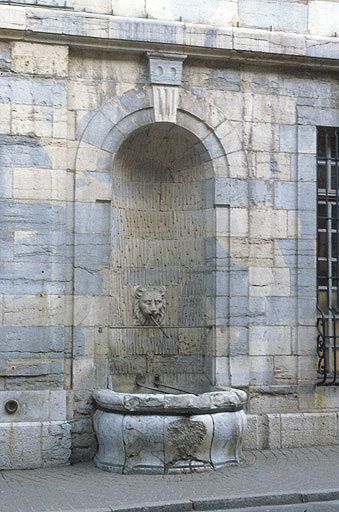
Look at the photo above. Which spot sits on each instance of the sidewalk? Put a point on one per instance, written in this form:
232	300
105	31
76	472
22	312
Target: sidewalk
269	477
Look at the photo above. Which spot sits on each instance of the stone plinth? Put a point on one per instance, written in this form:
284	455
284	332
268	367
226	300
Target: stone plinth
158	433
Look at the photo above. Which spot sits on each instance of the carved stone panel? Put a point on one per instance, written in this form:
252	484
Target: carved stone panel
165	101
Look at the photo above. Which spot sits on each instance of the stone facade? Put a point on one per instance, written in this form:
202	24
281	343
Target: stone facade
77	113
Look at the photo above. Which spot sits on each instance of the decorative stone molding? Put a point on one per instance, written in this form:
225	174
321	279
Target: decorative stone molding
165	76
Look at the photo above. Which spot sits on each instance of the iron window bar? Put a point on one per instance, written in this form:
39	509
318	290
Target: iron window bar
327	255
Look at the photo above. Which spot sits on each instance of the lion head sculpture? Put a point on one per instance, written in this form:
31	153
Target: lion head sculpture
149	303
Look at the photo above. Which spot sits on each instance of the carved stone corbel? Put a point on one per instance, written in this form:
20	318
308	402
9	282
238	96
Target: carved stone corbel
165	75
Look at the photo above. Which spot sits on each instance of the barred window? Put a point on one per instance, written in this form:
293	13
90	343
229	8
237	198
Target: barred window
328	255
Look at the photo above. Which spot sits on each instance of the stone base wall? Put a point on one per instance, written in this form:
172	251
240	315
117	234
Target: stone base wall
29	445
274	431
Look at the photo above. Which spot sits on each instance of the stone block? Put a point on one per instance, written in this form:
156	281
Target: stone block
310	115
307	222
92	247
42	405
307	281
45	92
260	253
267	223
26	216
307	369
55	3
32	341
6	245
274	431
307	168
92	217
285	369
84	373
56	443
222	221
39	59
5	56
261	370
281	310
5	113
285	253
12	18
20	445
266	400
308	429
238	165
39	184
131	8
278	14
45	246
238	341
100	7
194	12
89	280
91	311
306	341
238	279
251	439
288	138
314	49
224	79
58	23
239	222
5	182
264	108
271	166
307	139
22	151
322	18
29	445
307	310
31	278
264	137
239	370
269	340
95	131
260	192
35	121
285	195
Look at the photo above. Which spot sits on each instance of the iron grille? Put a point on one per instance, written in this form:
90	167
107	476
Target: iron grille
328	255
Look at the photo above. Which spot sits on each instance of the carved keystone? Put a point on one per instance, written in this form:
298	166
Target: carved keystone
165	75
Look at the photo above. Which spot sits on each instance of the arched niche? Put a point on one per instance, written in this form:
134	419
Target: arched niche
163	231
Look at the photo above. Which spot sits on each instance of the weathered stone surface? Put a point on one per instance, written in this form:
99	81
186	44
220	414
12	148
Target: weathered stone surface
34	444
158	443
39	59
34	406
279	15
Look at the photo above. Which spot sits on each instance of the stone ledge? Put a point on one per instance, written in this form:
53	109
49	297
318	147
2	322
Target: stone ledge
140	35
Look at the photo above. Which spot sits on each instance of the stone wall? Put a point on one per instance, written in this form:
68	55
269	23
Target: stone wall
317	17
66	108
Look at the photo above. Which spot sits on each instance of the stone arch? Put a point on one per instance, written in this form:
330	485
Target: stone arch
101	133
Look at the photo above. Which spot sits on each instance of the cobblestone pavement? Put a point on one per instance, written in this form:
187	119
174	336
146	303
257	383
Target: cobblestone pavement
85	487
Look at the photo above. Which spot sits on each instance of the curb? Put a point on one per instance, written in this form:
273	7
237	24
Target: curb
223	503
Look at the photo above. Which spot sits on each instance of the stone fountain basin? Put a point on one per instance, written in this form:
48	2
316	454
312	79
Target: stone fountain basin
168	433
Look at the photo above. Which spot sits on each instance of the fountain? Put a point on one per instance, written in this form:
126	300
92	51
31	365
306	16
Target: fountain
161	412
